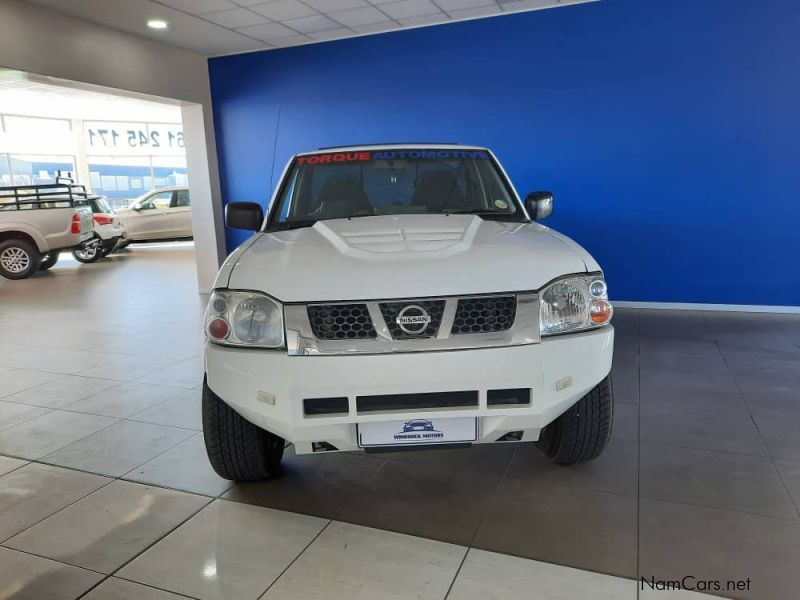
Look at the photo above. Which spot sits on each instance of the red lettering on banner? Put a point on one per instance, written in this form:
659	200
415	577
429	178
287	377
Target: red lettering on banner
325	159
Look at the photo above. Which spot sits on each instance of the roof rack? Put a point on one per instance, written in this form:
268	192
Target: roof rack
390	144
64	193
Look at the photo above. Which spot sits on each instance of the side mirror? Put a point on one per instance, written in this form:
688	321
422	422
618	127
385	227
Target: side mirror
244	215
539	205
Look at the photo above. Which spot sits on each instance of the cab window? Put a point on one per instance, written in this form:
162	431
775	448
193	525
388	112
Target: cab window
182	199
160	200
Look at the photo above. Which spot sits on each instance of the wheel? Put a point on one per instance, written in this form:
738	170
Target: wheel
581	433
237	449
49	259
18	259
87	254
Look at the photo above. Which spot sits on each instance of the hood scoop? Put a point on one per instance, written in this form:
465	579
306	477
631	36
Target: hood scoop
387	240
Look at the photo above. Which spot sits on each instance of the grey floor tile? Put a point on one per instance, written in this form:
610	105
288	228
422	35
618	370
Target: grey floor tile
682	363
27	577
353	562
114	588
14	380
228	550
183	410
317	484
783	400
62	391
765	369
790	473
34	492
780	432
626	422
656	593
118	448
125	368
732	431
615	470
669	388
577	527
715	479
42	435
109	527
440	494
491	576
12	413
686	347
8	464
184	467
625	378
680	539
124	399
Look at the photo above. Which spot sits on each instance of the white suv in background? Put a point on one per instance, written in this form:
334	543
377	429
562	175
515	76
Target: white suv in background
403	296
164	214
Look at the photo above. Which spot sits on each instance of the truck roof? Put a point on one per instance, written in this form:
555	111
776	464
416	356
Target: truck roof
417	145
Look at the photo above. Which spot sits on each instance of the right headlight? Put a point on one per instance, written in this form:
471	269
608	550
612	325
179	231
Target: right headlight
240	318
574	304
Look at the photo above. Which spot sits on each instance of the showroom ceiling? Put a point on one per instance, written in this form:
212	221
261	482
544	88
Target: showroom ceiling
213	27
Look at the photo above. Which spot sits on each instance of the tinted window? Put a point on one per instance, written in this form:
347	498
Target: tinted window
182	198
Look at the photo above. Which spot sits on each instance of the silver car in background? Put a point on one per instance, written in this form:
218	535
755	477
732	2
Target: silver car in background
162	214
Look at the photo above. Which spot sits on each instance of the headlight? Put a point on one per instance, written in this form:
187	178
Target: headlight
574	304
244	319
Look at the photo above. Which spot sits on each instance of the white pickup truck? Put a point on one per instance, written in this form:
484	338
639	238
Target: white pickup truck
36	221
403	297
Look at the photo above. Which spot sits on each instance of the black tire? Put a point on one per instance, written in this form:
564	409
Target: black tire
49	259
581	433
88	255
237	449
19	259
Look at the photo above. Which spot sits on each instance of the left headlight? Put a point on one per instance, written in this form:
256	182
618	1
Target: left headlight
249	319
574	304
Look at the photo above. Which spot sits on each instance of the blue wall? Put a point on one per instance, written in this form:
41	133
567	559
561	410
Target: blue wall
667	129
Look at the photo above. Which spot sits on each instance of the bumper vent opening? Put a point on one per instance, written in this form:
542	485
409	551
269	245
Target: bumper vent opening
323	447
511	436
509	397
417	401
325	406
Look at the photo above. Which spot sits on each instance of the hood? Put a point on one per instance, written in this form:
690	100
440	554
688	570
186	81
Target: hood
402	256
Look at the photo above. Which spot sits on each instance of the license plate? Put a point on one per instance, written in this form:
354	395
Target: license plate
412	432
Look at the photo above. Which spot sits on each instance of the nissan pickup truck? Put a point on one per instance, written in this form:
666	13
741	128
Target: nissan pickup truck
36	221
403	297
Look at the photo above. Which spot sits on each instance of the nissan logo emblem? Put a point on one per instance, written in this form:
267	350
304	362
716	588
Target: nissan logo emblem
413	319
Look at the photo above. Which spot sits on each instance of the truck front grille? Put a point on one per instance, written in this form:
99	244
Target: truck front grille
340	321
484	315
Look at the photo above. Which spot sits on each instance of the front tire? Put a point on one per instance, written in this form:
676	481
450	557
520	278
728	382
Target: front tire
19	259
583	431
49	259
237	449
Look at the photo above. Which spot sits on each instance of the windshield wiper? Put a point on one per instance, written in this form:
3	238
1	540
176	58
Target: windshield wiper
485	213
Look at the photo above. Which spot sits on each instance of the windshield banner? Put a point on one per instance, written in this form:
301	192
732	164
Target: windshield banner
340	157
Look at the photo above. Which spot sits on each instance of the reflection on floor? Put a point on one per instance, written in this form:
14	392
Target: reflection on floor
104	485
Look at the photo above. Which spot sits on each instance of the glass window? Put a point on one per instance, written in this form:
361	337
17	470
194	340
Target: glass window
39	169
414	181
160	200
182	198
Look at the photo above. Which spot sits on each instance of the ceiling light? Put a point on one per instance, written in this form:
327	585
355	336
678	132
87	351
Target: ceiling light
157	24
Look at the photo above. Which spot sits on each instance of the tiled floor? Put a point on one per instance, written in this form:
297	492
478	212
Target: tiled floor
105	489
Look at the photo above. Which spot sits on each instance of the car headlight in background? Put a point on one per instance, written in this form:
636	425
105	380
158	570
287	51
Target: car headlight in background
251	319
574	304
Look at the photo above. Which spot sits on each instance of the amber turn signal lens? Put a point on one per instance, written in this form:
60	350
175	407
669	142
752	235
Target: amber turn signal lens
218	329
600	312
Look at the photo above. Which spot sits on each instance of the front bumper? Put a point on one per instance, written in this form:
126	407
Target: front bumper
267	387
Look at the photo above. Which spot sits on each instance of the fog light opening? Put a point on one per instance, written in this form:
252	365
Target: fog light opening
323	447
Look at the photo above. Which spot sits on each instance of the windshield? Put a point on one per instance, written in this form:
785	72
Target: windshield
336	185
100	205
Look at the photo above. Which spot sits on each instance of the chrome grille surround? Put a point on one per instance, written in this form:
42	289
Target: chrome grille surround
302	341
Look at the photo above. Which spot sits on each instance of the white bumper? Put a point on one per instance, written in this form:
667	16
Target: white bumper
559	371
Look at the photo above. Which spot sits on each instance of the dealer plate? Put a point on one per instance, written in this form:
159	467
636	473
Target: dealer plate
448	430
